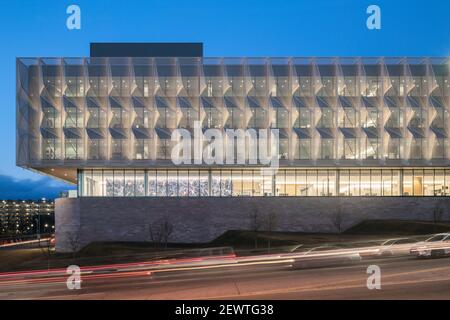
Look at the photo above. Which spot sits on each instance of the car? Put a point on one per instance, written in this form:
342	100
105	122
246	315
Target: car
325	256
437	245
396	247
297	248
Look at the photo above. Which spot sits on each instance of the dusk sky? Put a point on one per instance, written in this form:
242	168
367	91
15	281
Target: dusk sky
227	28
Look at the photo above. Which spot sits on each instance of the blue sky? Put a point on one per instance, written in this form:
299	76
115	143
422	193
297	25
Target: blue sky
227	28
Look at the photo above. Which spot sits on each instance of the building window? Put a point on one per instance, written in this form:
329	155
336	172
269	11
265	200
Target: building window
213	118
161	183
350	149
73	149
282	118
304	149
189	116
50	118
142	118
74	87
74	118
204	184
438	149
141	149
172	183
119	118
370	150
194	183
151	183
97	118
327	149
394	148
96	149
416	149
376	187
344	183
304	118
327	118
118	149
280	186
164	150
354	183
51	149
348	118
301	183
283	148
290	183
129	184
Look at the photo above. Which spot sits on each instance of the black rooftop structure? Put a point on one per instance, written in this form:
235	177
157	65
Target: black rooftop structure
153	49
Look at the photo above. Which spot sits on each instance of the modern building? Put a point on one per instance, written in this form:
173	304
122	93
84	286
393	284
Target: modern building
369	134
20	218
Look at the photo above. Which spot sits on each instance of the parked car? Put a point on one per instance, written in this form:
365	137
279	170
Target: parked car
436	246
396	247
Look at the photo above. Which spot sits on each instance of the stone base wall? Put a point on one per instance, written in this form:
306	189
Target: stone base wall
80	221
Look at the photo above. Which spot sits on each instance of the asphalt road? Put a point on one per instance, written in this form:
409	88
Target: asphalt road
401	278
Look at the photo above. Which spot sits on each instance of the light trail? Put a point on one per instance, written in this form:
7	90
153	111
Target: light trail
147	268
13	244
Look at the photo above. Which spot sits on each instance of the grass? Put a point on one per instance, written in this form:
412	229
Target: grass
364	231
243	243
398	227
10	260
96	253
121	248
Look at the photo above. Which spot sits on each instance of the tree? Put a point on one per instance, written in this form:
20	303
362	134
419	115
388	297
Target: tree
270	224
438	213
255	224
167	229
337	218
160	231
73	240
46	248
151	233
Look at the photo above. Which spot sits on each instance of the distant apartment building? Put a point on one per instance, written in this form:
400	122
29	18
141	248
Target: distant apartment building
26	217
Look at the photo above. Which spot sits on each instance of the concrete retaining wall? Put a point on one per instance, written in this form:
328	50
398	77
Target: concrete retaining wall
80	221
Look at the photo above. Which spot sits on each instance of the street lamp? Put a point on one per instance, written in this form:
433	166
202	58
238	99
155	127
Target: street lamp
38	221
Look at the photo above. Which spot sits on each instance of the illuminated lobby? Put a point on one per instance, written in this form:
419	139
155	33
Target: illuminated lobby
251	183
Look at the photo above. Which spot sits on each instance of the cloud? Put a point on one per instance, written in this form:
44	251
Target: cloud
16	189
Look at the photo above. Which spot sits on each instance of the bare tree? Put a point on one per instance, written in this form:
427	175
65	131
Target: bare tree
438	214
73	240
255	224
271	221
46	248
337	218
153	235
167	229
160	231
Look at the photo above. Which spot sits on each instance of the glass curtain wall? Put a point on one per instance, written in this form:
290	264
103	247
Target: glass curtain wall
254	183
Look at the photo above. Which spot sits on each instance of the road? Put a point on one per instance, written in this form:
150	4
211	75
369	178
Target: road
401	278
